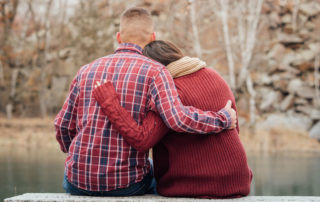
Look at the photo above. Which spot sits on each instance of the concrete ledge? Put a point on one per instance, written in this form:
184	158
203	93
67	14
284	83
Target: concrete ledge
147	198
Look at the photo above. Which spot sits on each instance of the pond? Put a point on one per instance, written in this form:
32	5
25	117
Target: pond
30	170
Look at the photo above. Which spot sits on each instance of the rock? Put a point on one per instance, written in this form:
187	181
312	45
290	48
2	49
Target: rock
302	19
281	84
88	42
280	81
59	84
51	56
304	56
309	78
274	19
243	104
270	100
241	121
287	102
289	38
304	33
311	8
294	85
309	110
316	102
315	114
298	87
64	68
315	47
64	53
310	25
277	52
288	29
289	71
315	131
295	122
305	109
306	92
289	58
301	101
303	67
286	19
263	79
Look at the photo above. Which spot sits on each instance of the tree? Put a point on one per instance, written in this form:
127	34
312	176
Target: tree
246	15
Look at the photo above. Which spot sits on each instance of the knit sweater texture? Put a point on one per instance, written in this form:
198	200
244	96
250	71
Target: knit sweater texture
190	165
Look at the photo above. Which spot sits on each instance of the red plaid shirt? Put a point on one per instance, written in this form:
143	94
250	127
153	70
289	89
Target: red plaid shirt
98	157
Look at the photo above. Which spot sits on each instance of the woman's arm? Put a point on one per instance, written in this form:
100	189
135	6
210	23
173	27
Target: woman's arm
143	137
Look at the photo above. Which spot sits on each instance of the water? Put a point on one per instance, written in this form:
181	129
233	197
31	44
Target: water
41	170
286	174
23	170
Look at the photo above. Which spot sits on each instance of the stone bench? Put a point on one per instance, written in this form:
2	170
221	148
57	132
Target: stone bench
147	198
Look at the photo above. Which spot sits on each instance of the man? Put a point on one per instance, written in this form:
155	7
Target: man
99	161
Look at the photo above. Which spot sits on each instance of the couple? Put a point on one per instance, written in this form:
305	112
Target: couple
122	104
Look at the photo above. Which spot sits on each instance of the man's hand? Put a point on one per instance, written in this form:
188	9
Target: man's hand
232	114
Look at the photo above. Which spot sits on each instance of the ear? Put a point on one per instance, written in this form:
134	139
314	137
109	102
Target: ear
153	36
119	37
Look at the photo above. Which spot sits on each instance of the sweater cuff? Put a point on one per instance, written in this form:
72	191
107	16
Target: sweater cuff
227	123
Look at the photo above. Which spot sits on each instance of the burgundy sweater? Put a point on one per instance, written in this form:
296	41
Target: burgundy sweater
190	165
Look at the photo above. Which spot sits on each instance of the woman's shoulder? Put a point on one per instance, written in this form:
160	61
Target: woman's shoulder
212	73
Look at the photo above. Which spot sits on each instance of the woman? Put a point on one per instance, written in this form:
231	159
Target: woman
205	166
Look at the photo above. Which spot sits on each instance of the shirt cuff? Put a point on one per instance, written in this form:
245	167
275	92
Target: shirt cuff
227	116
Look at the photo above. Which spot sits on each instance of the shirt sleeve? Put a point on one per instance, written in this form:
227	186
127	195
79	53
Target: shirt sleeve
165	100
65	121
143	137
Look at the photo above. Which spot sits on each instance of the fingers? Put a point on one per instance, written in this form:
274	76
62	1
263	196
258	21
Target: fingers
228	105
99	84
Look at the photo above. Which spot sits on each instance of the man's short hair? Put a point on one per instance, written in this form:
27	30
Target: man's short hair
136	25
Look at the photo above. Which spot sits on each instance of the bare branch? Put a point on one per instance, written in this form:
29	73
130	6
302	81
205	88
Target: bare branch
295	14
254	9
317	79
196	40
224	17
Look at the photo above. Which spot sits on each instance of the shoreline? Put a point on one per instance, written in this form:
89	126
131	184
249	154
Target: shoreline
31	133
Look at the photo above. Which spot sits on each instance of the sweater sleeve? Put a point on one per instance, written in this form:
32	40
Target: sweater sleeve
143	137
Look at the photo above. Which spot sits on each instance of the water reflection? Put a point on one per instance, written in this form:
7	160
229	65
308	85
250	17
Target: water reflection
30	170
41	170
285	174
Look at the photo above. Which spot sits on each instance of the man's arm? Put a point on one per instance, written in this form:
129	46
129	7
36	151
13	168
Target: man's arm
165	100
143	137
65	121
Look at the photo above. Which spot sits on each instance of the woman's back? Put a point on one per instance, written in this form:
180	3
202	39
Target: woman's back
212	165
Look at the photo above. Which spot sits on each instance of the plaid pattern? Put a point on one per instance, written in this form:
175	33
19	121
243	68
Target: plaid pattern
98	157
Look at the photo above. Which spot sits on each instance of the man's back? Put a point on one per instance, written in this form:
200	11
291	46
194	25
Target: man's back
98	157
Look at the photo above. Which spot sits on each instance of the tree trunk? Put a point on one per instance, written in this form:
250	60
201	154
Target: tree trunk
224	17
196	40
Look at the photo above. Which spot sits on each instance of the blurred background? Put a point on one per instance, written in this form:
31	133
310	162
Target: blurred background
267	50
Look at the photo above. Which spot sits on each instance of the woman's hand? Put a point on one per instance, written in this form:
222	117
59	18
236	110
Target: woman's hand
99	84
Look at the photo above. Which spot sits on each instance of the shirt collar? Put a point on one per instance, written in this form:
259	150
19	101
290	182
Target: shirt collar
129	47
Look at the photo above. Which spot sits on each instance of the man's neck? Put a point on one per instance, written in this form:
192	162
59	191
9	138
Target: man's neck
142	45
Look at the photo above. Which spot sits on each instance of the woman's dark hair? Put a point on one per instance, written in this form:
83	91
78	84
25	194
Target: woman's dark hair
164	52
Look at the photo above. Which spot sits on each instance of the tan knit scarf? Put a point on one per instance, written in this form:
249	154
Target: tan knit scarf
184	66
